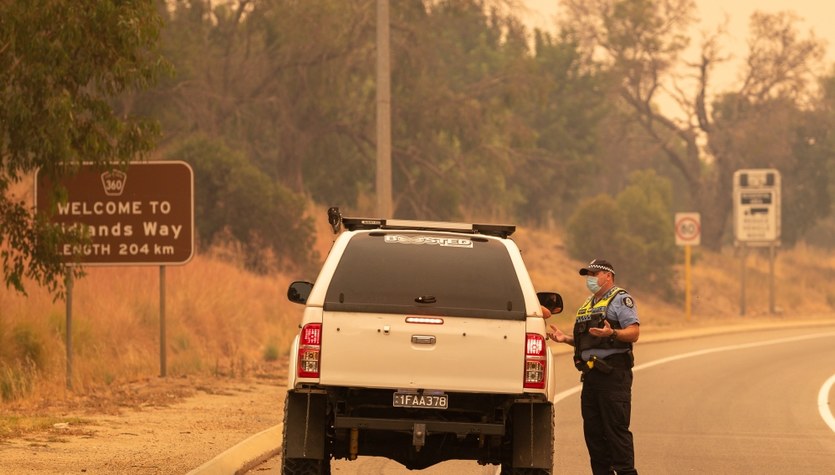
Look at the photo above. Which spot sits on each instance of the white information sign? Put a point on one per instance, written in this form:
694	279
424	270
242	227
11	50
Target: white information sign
688	228
756	195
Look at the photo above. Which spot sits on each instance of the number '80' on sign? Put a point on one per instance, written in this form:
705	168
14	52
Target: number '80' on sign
687	228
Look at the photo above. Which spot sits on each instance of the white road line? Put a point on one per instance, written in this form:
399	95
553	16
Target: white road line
823	394
823	403
568	392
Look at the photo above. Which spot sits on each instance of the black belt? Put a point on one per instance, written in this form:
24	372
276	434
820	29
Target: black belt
623	360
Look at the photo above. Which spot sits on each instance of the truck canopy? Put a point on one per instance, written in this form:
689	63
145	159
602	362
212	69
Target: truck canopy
425	273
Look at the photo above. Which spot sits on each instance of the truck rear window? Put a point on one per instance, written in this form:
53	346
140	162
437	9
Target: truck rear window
426	274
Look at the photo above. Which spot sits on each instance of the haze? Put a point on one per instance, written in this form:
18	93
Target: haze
815	14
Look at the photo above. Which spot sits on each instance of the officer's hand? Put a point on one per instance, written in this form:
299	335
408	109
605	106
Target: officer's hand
605	331
556	335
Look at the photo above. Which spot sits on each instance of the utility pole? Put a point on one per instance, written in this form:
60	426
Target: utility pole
384	203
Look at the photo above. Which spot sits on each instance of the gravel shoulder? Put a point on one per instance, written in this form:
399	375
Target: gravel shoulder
158	426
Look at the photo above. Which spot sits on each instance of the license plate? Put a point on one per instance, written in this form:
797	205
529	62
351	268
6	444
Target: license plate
431	401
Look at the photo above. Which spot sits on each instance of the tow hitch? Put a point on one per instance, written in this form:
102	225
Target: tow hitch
419	436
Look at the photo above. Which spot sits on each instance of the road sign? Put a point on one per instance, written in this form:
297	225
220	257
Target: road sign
143	214
756	195
688	228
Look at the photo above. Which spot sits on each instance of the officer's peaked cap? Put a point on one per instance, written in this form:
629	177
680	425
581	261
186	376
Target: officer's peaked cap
598	265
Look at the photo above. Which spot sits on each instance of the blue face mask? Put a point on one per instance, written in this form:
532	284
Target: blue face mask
591	283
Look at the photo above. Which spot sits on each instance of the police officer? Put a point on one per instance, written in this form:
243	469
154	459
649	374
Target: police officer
604	330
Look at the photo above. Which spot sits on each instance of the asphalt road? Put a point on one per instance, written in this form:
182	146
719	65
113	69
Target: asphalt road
754	402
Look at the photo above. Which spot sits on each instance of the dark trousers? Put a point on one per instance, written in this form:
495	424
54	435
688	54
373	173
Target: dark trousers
606	403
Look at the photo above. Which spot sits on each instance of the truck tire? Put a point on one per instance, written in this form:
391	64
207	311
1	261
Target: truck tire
305	467
305	426
529	449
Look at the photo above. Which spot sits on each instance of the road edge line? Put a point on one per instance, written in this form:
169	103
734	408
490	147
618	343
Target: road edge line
823	403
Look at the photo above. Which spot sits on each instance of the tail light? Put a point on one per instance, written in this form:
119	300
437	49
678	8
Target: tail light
310	349
535	362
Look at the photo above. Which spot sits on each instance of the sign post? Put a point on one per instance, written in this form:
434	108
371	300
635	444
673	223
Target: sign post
756	199
139	215
688	227
68	337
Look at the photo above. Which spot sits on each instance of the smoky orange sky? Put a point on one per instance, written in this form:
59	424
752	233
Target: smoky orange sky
816	15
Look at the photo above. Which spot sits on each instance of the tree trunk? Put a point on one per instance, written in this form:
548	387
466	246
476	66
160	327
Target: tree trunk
712	201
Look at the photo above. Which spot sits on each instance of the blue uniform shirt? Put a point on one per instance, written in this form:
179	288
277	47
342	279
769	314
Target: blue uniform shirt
621	309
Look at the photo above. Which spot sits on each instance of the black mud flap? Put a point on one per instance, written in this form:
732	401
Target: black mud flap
305	423
533	435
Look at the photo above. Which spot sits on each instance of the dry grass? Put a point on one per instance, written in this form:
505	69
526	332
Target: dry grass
219	320
12	425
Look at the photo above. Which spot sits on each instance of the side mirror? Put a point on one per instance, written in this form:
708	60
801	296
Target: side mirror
299	291
550	300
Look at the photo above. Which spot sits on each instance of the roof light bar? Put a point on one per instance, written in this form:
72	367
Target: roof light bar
499	230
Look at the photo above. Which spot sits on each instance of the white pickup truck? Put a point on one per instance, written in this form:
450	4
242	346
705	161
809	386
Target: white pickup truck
420	342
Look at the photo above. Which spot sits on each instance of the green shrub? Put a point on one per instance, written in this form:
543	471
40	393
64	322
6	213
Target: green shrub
634	231
28	347
592	228
271	352
234	200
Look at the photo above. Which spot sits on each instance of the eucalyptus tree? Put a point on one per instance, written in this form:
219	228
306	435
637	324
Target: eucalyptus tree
289	83
61	64
455	66
241	207
566	104
487	124
809	167
478	117
644	42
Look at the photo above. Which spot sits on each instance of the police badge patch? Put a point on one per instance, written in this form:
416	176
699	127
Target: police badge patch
628	302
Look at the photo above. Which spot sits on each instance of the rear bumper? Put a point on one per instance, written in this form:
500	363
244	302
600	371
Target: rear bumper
467	413
458	428
344	423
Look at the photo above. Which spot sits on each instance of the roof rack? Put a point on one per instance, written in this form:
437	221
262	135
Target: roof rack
498	230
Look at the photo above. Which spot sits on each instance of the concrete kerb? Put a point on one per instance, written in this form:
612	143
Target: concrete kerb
245	455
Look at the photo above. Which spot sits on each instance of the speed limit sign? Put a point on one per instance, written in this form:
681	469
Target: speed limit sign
688	229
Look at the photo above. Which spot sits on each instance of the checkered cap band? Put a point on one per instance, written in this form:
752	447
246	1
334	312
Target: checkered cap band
600	267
